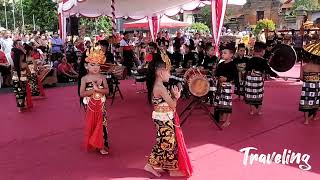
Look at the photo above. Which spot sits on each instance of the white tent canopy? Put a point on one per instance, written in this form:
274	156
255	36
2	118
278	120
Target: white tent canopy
135	9
165	22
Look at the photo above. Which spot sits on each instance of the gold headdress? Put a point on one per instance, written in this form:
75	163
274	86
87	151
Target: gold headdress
166	59
95	55
313	48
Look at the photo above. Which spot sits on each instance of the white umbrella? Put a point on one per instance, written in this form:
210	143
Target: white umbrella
2	29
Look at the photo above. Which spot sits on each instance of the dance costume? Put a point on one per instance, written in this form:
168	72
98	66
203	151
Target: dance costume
169	152
96	136
34	81
310	94
254	86
223	97
241	66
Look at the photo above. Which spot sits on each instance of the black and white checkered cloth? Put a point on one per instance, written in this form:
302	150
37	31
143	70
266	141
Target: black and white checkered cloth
254	88
310	94
223	98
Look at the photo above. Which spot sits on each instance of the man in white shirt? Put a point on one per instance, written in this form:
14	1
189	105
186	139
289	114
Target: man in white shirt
126	47
7	44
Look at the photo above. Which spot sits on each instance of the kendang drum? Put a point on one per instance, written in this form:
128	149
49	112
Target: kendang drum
120	72
197	81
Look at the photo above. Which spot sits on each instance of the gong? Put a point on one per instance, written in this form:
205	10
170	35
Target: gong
284	58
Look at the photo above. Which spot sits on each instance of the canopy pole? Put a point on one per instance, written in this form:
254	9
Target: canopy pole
114	25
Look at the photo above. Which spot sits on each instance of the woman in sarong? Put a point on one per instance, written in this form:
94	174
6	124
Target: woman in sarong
20	84
93	90
226	73
169	153
310	94
256	69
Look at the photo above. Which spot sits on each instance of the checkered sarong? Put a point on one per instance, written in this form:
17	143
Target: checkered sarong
254	88
310	94
223	98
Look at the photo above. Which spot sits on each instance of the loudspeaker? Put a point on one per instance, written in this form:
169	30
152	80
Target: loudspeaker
73	26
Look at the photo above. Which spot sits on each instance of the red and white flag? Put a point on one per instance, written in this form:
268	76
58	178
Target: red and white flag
154	25
218	9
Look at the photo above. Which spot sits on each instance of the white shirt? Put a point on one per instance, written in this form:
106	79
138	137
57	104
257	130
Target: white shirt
125	43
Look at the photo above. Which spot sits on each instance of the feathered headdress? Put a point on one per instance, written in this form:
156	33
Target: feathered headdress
95	55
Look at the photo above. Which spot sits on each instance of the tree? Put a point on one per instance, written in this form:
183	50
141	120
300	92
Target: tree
264	24
44	11
96	24
199	27
309	4
206	15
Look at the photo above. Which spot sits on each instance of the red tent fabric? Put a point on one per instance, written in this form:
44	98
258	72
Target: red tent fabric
165	22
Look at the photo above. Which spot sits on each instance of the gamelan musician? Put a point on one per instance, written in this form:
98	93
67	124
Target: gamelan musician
190	57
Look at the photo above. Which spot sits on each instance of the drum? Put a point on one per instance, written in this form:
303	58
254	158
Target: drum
197	82
284	58
120	72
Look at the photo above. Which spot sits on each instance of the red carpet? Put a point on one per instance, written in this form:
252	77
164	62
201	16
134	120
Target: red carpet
45	143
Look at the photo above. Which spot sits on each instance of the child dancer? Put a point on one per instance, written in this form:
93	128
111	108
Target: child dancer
226	73
34	81
169	153
256	69
93	88
240	60
20	84
310	94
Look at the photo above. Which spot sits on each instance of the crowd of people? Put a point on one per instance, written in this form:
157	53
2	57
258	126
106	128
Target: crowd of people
31	61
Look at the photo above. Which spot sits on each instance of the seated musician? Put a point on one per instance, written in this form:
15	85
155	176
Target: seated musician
210	60
66	73
190	56
268	53
201	49
104	44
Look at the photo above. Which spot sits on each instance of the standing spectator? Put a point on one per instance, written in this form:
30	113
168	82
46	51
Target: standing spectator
7	43
56	47
127	52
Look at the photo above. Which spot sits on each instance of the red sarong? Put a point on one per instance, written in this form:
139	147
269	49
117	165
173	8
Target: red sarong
28	96
183	157
94	125
40	87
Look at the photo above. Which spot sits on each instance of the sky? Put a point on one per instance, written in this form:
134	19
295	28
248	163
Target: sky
239	2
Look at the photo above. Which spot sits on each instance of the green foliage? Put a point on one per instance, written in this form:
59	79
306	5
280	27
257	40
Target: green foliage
309	4
44	11
96	24
206	16
264	24
199	27
45	14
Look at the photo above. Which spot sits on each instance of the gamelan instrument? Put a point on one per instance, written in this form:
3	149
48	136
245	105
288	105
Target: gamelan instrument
120	72
197	82
284	58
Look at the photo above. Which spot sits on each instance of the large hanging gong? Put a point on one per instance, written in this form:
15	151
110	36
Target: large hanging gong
284	58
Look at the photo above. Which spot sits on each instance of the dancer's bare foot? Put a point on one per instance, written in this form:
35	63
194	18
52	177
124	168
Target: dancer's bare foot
260	113
176	174
315	118
306	122
104	151
150	169
251	113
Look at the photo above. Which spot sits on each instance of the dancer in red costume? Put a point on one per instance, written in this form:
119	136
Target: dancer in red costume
93	88
20	72
169	153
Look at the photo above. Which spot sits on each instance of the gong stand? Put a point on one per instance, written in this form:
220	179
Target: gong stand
197	102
